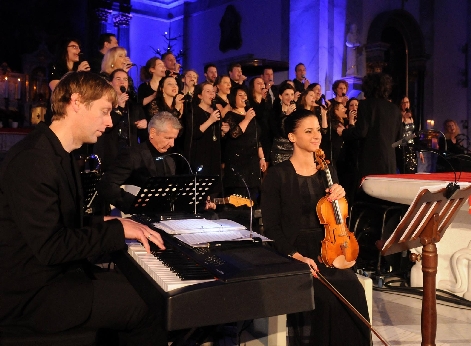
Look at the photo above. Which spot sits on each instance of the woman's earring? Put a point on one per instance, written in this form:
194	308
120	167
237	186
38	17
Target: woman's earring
112	65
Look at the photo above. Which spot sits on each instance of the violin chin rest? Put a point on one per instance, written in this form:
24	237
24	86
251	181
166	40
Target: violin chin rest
341	263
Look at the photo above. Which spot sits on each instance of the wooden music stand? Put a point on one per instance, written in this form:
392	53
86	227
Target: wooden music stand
424	224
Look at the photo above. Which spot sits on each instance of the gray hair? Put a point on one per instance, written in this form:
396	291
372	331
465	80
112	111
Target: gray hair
161	119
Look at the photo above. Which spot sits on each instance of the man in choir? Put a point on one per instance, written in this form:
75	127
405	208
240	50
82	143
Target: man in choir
106	41
267	76
300	82
172	68
46	282
211	73
135	165
235	73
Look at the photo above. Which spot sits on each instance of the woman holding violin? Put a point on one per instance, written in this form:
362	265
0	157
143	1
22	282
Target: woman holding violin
290	194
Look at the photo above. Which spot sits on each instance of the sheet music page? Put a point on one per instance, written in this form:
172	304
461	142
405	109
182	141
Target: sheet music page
188	226
203	238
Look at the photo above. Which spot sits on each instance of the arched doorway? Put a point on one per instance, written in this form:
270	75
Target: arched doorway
395	45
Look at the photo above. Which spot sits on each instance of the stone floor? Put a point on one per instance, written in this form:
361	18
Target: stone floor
396	316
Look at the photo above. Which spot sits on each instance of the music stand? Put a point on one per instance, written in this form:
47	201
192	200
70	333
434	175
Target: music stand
89	180
425	223
172	193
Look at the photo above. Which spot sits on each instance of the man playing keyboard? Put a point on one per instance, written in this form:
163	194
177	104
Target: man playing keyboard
45	280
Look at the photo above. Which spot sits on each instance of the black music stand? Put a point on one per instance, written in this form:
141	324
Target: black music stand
424	224
89	180
172	194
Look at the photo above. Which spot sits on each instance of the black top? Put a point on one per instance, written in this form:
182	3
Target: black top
203	148
145	90
241	152
299	86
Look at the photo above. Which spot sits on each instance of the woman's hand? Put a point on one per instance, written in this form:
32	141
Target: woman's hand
141	124
263	164
224	128
291	108
83	66
421	157
250	114
215	116
352	117
309	261
179	102
335	192
127	64
122	99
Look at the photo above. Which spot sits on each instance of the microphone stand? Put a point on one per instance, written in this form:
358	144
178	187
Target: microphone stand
189	168
250	197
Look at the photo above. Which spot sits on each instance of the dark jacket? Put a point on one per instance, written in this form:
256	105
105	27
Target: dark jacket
43	281
378	126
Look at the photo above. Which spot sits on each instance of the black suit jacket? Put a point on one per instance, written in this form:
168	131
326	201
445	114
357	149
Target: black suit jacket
133	166
43	280
379	125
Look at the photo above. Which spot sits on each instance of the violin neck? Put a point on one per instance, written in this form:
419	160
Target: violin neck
335	204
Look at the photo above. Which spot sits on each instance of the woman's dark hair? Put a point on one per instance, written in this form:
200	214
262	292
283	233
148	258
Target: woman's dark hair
350	101
312	86
285	86
159	98
114	72
199	91
291	122
251	92
237	88
145	74
61	52
377	85
302	98
219	79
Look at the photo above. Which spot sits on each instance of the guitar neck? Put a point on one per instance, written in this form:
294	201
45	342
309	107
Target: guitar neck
224	200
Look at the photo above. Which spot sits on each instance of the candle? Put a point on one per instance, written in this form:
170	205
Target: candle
6	88
432	123
18	90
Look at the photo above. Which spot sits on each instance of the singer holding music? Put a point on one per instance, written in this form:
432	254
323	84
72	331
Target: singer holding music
243	150
290	193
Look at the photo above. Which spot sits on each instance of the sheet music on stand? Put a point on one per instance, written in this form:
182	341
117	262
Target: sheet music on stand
172	194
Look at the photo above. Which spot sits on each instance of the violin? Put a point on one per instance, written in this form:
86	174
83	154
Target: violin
339	248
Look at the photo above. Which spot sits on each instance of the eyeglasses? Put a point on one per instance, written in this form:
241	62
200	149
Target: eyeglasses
74	46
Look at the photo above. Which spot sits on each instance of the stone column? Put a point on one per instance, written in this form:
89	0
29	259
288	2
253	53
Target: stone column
121	21
102	14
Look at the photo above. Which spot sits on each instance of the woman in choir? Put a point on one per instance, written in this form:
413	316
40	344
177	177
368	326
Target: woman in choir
340	89
190	79
257	100
282	149
129	123
223	85
452	131
151	73
332	142
310	100
168	99
406	156
114	59
290	193
204	132
351	151
67	59
244	157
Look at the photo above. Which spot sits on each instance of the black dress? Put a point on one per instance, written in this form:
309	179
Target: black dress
203	148
288	207
241	154
406	156
150	109
282	148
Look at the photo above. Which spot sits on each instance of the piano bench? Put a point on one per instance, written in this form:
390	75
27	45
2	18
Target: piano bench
272	331
10	336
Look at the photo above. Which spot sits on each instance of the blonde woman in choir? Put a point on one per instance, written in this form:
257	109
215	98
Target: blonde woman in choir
115	58
190	79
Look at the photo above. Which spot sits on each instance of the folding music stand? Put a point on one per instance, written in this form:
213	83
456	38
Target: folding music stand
172	193
425	223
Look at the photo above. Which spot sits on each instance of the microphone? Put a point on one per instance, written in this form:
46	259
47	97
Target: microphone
247	105
213	104
407	110
187	97
343	94
250	197
403	140
168	73
122	89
